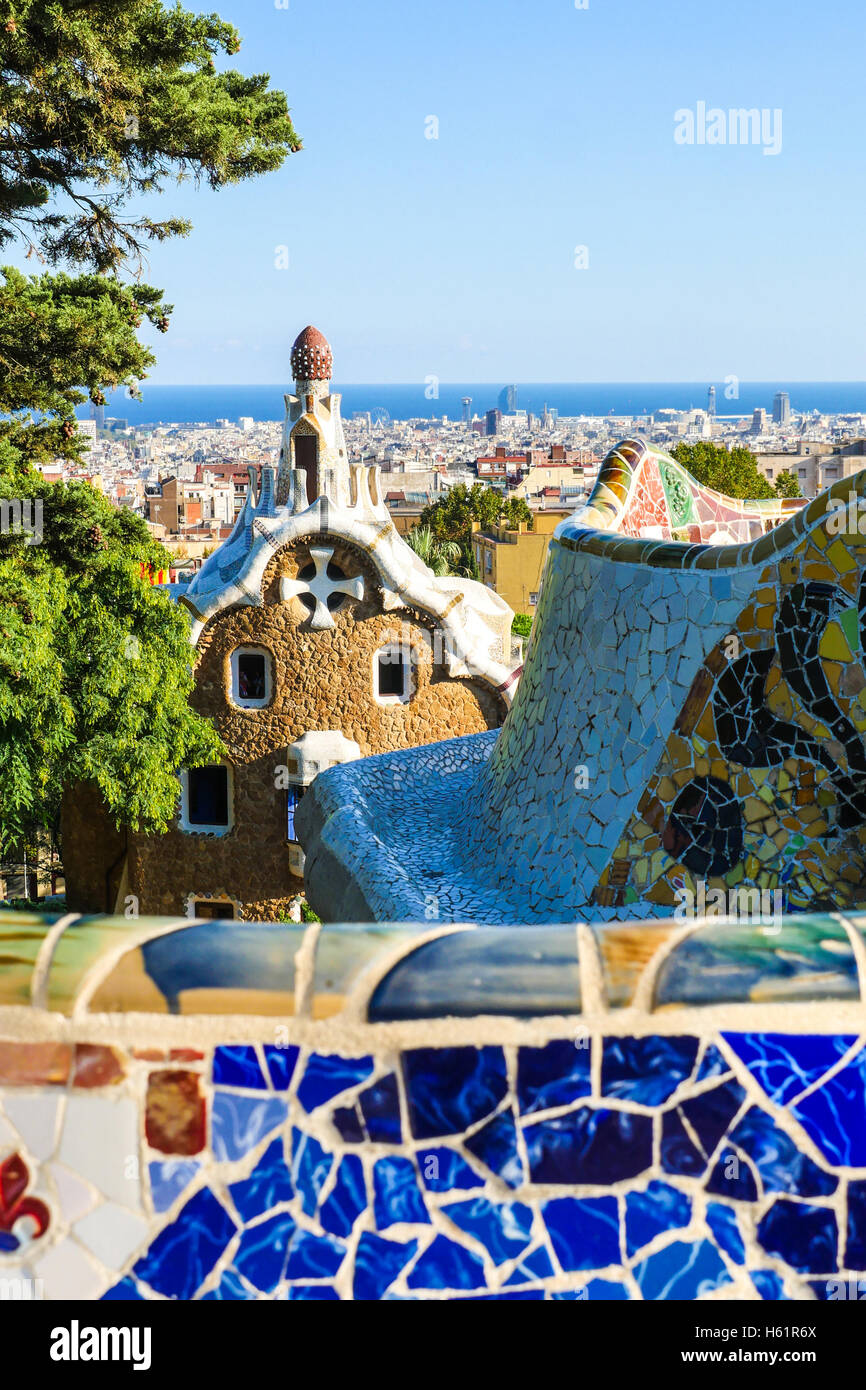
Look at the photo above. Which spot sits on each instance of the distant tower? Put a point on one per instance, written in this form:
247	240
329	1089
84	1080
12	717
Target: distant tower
494	421
781	408
467	409
711	402
97	413
508	400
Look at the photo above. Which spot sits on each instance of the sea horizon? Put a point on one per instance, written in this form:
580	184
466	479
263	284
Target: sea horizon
199	404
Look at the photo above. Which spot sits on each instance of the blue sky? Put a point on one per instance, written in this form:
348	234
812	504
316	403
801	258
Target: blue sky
455	256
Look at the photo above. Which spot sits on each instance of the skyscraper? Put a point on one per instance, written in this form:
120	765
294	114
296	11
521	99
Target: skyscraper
508	400
467	409
494	421
97	413
711	402
781	408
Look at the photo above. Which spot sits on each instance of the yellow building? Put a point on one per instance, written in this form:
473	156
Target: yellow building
511	561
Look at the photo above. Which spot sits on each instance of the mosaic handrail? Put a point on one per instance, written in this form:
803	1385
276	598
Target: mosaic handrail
82	967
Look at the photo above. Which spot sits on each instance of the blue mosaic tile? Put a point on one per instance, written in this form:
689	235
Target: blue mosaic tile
805	1237
554	1075
495	1145
261	1255
348	1198
446	1265
238	1066
585	1232
502	1227
327	1075
679	1154
377	1263
834	1116
168	1179
314	1257
855	1248
311	1165
605	1290
646	1070
589	1146
769	1285
443	1169
647	1214
835	1290
681	1271
126	1291
712	1064
230	1289
238	1123
280	1062
319	1292
710	1114
185	1252
347	1120
397	1196
536	1265
451	1088
267	1185
722	1221
781	1165
784	1064
732	1177
380	1107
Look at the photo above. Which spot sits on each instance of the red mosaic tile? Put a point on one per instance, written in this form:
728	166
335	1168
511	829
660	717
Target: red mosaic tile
175	1113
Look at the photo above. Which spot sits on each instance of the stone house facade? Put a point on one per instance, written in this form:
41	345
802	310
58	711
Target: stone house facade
320	637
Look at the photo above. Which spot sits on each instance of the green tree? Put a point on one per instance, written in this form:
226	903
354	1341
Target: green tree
734	472
451	517
441	556
95	664
787	484
102	102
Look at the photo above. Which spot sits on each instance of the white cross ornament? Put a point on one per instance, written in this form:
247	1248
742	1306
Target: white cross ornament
320	587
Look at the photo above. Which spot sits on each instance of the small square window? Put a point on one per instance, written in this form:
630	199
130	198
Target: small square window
251	677
294	797
533	599
207	798
392	675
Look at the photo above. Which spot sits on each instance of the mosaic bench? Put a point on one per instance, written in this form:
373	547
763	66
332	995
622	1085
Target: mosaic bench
691	718
231	1110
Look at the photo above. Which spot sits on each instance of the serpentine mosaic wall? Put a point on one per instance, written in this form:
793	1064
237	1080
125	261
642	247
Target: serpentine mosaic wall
246	1111
688	729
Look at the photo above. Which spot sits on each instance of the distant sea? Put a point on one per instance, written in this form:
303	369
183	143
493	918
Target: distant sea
205	404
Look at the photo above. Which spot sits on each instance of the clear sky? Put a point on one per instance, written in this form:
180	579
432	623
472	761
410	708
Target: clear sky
456	256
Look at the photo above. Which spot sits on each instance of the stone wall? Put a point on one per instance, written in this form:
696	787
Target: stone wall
322	680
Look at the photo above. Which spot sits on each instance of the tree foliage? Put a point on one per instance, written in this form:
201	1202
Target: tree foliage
440	556
95	664
101	103
787	484
451	517
734	472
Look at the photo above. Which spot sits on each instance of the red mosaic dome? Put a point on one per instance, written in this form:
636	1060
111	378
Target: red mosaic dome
312	359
